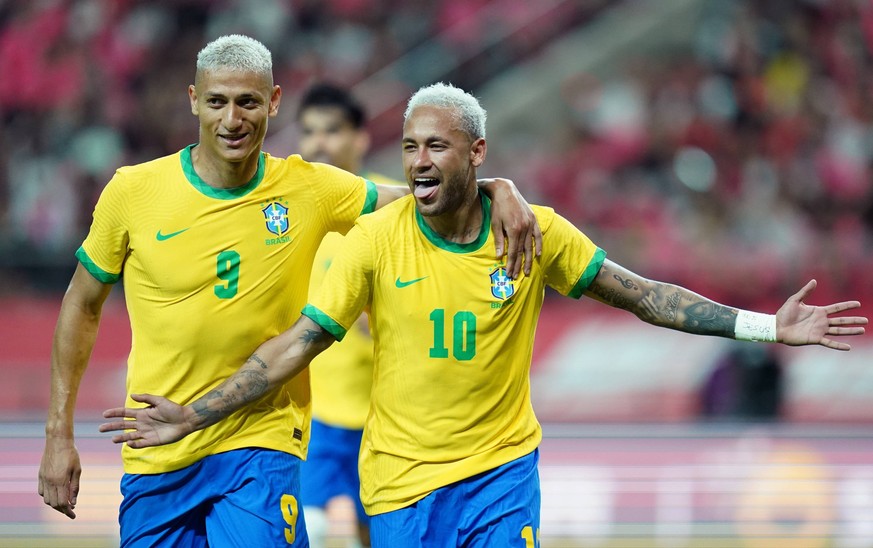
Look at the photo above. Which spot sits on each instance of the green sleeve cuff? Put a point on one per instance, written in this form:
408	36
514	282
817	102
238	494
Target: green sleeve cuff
371	199
325	321
100	274
588	275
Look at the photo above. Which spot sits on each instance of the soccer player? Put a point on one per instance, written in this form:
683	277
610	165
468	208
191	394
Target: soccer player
332	130
215	244
449	456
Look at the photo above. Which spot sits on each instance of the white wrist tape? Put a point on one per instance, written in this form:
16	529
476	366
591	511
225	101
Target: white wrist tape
752	326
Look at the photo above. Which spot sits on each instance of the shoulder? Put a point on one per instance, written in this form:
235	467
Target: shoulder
300	166
388	217
149	168
545	216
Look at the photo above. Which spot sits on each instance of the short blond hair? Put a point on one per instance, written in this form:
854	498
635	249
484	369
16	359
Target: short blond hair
470	114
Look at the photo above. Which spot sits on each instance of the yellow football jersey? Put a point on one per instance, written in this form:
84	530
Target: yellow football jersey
209	274
342	375
453	343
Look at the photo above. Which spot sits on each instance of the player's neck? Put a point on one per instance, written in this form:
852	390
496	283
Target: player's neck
462	225
220	173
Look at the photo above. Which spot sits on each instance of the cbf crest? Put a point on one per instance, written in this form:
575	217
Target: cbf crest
502	286
276	215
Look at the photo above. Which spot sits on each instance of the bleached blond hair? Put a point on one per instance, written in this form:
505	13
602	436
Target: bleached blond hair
236	52
469	113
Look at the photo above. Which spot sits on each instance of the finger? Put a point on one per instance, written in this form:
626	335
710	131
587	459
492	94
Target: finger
149	399
127	436
74	489
58	500
836	345
846	331
120	412
514	258
804	291
840	307
528	253
139	443
538	239
498	242
848	320
117	425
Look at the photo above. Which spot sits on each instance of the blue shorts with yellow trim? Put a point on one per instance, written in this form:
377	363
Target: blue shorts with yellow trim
246	497
500	507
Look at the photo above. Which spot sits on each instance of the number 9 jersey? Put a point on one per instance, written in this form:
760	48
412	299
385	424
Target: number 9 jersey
208	275
453	339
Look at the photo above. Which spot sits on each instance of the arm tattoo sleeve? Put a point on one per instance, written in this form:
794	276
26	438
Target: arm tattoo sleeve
613	298
217	404
708	318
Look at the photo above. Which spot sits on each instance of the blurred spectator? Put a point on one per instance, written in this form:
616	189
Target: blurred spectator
746	383
751	151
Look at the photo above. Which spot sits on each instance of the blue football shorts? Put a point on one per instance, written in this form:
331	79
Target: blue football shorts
500	507
246	497
331	468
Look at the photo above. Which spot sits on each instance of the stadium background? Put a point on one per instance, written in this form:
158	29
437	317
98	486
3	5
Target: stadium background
725	145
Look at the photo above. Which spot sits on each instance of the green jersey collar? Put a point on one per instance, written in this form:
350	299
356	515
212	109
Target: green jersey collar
454	247
220	193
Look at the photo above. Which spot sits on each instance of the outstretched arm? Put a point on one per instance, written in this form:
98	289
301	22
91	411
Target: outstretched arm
271	365
512	219
667	305
75	333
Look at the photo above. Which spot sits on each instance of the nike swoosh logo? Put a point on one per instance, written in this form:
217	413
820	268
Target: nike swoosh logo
398	283
162	237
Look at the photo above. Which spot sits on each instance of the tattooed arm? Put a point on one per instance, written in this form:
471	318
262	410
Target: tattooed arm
271	365
675	307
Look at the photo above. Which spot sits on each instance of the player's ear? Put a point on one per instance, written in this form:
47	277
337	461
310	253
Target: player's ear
275	98
192	97
477	152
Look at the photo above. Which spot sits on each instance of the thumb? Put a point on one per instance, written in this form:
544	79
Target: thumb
149	399
805	291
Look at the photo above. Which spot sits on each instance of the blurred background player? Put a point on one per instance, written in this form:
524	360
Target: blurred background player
332	130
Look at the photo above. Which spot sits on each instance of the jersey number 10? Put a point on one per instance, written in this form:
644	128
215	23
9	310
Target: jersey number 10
463	335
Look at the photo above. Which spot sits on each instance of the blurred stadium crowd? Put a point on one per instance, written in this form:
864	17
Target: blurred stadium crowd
746	156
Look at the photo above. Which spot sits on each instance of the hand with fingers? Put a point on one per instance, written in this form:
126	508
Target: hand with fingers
798	323
522	232
162	422
59	474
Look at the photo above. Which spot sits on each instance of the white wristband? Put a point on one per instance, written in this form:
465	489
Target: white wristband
752	326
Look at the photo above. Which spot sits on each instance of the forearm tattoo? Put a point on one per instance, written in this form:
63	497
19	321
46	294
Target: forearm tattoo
626	282
709	318
671	306
665	304
613	298
248	385
257	359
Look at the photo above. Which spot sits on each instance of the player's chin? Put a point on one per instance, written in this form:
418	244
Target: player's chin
428	207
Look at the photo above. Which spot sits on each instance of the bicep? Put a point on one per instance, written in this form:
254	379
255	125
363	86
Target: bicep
86	293
292	350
